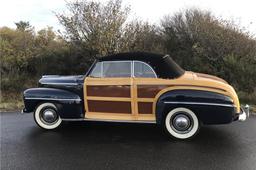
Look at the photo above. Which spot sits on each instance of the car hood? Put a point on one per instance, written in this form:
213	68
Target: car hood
60	80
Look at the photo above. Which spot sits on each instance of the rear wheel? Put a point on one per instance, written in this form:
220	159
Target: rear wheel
46	116
181	123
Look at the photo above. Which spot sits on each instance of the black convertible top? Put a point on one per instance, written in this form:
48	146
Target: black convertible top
163	65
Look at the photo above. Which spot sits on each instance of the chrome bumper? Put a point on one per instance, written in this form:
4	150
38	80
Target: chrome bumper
245	113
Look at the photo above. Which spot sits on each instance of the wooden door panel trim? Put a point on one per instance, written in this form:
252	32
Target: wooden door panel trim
145	107
118	106
133	100
109	116
109	90
149	91
107	81
109	106
85	98
122	99
145	99
172	83
118	116
147	117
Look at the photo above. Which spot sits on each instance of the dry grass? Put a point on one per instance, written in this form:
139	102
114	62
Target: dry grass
11	102
11	106
253	109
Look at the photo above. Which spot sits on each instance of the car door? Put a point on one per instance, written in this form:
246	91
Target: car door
146	86
108	91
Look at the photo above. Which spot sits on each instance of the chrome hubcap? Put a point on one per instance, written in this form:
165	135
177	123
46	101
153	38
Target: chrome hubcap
49	115
181	123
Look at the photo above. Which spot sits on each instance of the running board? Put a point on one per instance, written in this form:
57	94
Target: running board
118	121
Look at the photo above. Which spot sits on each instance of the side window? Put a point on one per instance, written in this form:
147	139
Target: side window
97	70
143	70
117	69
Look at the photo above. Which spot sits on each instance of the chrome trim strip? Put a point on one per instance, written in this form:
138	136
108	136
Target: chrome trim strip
73	119
105	120
50	76
101	69
40	98
60	84
198	103
132	68
167	55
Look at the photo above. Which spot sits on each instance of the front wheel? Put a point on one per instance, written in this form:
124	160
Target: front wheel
181	123
46	116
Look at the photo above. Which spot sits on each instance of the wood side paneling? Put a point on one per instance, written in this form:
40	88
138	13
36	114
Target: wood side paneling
145	107
109	91
149	91
109	106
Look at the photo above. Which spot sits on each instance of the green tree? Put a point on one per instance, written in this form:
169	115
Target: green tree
23	26
141	36
204	43
24	54
95	26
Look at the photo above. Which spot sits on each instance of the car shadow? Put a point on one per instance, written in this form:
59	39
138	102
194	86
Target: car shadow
129	142
104	132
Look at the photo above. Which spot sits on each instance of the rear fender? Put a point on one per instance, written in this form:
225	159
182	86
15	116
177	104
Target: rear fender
210	107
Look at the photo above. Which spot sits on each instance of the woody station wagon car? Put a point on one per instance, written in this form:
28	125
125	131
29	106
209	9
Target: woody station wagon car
136	87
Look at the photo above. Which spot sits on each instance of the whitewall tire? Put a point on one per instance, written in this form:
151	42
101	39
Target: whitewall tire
46	116
181	123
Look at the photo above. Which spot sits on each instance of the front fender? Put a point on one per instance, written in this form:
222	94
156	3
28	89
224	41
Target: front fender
69	104
210	107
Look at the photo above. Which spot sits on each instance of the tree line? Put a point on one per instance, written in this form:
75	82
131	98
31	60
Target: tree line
196	39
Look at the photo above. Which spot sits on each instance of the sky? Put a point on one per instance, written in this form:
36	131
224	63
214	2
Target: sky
40	13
